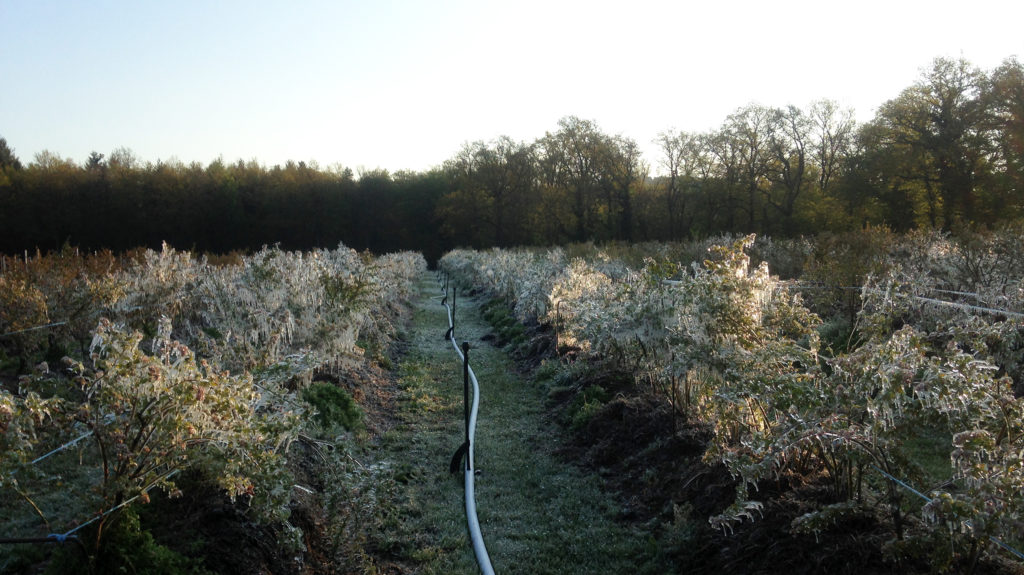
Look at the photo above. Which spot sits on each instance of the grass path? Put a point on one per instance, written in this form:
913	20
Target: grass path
537	514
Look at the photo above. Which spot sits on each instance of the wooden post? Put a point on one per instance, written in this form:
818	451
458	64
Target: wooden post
465	392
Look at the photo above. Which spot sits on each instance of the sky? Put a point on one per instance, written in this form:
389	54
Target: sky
404	84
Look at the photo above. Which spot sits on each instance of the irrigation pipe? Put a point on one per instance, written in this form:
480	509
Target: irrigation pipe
479	549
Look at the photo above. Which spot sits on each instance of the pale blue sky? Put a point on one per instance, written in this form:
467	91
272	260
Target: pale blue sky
403	84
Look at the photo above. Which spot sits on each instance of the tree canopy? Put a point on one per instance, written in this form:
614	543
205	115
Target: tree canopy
947	152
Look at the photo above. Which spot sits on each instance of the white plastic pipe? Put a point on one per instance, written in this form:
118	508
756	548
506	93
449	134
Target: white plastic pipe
479	549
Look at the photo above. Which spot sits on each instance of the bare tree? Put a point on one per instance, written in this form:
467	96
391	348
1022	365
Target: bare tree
788	140
832	136
677	149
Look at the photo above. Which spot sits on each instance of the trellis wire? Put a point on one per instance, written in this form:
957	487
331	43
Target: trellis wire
33	328
963	306
927	499
65	535
70	535
61	448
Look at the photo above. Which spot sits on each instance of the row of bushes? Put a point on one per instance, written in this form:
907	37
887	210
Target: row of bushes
732	347
165	364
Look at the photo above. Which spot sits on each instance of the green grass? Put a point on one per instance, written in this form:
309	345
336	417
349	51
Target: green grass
334	407
537	514
427	532
500	317
930	448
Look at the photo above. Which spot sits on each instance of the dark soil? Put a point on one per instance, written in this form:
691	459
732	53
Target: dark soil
372	387
205	523
661	481
651	462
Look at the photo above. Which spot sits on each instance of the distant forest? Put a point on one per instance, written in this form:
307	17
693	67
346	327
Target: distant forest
947	152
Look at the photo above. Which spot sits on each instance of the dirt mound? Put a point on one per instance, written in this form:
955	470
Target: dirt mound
662	483
204	522
652	463
372	387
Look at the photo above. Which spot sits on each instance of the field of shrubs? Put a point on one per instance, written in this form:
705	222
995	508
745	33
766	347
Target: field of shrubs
881	373
862	390
162	373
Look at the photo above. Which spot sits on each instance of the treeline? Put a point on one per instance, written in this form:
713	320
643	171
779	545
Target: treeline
120	203
947	152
